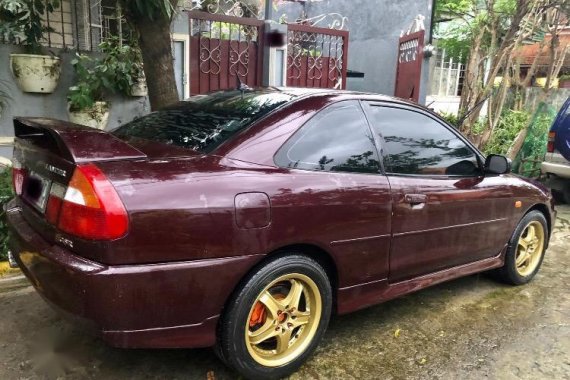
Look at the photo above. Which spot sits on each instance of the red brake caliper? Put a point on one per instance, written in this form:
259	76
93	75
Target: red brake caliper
258	315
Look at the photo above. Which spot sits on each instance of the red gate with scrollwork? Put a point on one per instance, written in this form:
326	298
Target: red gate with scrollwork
316	57
223	49
410	58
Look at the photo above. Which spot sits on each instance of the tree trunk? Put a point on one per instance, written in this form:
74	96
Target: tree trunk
155	44
517	144
471	80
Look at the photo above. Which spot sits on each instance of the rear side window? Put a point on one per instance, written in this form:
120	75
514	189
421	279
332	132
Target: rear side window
338	139
204	122
414	143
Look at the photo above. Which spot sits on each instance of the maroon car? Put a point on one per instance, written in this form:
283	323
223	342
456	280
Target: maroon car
244	219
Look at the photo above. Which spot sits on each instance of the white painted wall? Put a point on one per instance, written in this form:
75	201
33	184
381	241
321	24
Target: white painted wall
443	104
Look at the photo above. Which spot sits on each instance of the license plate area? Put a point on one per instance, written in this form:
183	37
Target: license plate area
36	191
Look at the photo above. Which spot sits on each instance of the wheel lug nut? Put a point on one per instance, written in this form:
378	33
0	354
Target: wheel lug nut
289	325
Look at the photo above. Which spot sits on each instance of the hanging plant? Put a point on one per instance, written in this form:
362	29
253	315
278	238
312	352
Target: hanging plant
22	22
124	62
86	99
118	70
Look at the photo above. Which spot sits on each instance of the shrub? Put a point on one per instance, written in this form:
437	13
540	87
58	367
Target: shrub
510	124
476	129
5	195
450	118
534	146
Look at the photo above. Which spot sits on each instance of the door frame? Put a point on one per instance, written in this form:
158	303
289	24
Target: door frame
185	39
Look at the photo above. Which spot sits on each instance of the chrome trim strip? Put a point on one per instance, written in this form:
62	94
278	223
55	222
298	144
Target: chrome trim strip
449	227
338	242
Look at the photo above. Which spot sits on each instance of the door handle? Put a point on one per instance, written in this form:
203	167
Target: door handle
415	199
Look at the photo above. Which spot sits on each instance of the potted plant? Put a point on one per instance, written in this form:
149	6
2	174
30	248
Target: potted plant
23	20
135	72
564	81
86	99
124	61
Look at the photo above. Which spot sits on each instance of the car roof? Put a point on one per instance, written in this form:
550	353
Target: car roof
303	92
310	92
307	91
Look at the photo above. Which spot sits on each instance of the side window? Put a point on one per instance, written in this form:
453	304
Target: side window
338	139
417	144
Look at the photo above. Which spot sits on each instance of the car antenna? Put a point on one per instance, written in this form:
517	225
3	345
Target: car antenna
469	112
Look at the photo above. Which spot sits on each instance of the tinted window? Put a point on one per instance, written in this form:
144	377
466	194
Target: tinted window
417	144
203	122
337	139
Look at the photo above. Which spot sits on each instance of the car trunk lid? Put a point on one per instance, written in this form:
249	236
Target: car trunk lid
48	154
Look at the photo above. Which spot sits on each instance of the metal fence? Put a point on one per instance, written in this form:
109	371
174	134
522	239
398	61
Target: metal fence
223	51
316	57
81	24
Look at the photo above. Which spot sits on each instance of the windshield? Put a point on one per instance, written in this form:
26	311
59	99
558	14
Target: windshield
203	122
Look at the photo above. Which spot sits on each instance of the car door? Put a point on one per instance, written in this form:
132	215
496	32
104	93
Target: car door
446	212
335	193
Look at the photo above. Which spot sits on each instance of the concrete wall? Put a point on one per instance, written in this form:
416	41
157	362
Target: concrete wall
375	28
55	104
556	97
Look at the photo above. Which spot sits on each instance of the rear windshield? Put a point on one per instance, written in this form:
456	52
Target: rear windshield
203	122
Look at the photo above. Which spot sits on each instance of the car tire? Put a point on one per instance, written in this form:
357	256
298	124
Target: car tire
526	250
271	342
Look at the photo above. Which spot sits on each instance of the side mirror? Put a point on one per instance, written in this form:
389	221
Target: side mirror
497	164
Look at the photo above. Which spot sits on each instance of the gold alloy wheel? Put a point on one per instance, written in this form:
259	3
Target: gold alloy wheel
530	248
283	320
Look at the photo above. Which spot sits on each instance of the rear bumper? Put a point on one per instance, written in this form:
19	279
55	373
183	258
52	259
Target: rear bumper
560	170
136	306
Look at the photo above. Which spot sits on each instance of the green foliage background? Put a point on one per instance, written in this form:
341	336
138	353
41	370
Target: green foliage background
460	20
510	124
534	146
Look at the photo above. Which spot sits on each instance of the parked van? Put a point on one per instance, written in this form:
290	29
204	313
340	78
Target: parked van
556	165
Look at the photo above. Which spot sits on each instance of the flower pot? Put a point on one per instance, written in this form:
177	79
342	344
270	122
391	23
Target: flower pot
139	88
36	73
564	83
94	117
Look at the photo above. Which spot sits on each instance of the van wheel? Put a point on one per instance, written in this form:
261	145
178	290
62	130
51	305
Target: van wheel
276	319
526	250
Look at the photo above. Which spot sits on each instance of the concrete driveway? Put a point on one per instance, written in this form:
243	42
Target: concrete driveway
470	328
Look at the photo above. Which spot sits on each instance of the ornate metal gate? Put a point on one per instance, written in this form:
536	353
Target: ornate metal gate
410	59
223	49
316	57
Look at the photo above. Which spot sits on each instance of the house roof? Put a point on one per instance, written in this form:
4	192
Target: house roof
528	53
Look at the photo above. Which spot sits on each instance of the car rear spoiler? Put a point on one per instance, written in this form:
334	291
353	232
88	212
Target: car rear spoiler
73	142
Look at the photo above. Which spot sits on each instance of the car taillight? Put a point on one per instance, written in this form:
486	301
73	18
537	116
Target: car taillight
55	200
18	176
550	146
91	208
